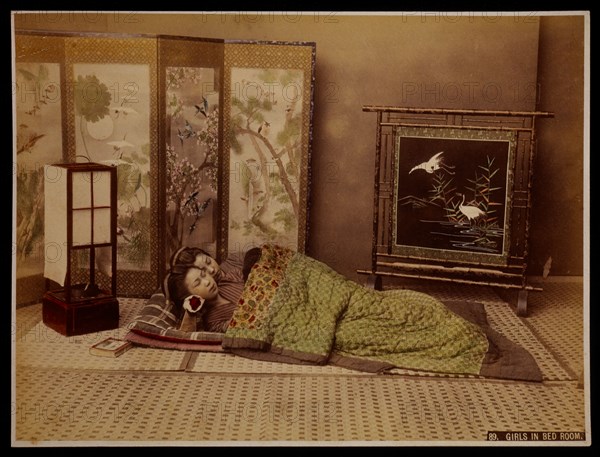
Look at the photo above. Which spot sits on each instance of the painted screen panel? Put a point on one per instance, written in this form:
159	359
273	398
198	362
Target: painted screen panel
452	193
265	156
192	157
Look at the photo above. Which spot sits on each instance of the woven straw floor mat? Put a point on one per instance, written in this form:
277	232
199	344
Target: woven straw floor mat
110	406
556	316
65	396
41	347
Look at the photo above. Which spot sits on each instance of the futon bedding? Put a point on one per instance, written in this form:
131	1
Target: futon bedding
296	309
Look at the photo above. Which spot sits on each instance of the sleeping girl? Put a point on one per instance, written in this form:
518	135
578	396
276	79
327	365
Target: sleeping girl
204	292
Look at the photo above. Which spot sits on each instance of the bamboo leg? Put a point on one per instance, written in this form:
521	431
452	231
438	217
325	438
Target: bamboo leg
522	303
374	281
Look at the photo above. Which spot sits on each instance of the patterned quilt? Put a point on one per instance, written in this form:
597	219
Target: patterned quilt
296	309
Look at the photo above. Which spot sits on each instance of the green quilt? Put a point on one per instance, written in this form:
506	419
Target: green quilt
296	309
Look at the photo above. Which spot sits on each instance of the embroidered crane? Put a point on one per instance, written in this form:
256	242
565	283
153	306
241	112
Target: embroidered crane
470	211
433	164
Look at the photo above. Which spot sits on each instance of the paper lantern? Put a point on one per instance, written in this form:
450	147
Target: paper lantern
80	223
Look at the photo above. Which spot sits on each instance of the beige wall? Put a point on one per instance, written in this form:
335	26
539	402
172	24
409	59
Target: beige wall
435	61
557	214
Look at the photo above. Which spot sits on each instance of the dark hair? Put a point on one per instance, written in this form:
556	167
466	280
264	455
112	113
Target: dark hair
186	256
251	257
174	287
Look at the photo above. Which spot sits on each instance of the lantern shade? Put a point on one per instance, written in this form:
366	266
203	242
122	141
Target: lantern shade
55	220
76	197
82	190
101	188
101	226
81	218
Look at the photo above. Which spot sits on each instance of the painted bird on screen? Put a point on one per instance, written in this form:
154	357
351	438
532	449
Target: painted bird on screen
434	163
264	128
199	210
202	109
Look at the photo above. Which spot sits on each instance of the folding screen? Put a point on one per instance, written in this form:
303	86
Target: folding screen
267	145
111	118
210	138
39	109
190	80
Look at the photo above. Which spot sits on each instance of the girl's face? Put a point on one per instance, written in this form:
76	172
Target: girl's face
199	283
207	263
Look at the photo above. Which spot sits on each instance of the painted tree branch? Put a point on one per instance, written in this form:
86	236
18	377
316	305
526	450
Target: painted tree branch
282	173
256	218
25	229
174	229
207	164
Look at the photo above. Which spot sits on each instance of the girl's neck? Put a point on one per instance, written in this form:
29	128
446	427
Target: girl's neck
218	300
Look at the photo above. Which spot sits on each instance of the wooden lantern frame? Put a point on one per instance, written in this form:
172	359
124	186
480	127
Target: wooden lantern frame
71	310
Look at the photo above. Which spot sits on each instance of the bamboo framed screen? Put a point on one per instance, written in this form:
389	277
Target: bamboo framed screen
452	196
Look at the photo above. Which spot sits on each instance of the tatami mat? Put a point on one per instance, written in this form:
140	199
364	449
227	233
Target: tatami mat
556	317
42	347
65	396
203	362
448	291
553	330
102	406
503	319
214	363
26	318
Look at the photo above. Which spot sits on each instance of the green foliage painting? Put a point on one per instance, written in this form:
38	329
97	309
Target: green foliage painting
265	156
112	118
38	142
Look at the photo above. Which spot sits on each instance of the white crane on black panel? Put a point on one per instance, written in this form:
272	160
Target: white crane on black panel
433	164
471	212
